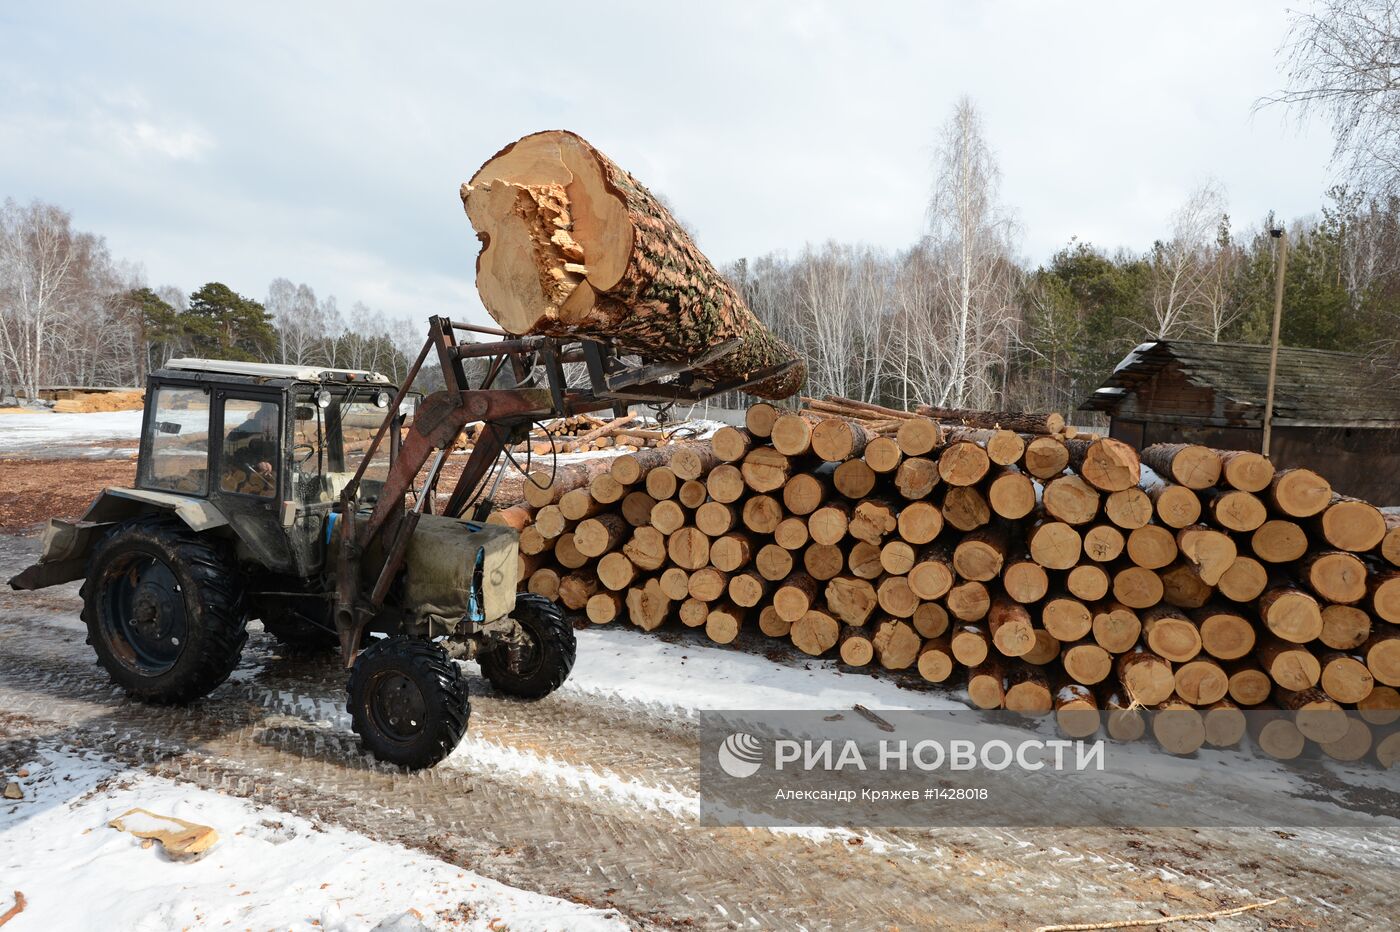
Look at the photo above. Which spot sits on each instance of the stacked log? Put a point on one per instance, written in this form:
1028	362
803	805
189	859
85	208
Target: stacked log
583	433
1044	573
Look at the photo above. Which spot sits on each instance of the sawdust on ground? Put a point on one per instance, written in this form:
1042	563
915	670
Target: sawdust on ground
90	402
32	491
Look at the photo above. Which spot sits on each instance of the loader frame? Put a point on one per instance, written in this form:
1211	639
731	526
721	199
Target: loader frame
615	379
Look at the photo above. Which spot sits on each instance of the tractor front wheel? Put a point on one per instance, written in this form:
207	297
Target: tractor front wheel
164	610
408	701
539	666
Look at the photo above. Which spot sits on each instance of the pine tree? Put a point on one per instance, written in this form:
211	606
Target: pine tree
225	325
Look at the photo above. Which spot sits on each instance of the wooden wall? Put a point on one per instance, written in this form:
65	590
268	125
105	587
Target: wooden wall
1360	462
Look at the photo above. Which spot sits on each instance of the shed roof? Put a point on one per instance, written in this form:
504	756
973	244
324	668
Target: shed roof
1314	387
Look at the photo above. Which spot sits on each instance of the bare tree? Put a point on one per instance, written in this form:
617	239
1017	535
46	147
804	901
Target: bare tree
330	330
1220	306
970	243
840	299
49	274
1180	265
1342	63
1046	345
298	319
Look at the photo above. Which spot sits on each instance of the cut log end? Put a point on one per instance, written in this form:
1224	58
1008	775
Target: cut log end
571	244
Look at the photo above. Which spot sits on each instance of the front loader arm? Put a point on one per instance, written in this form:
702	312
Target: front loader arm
437	425
612	381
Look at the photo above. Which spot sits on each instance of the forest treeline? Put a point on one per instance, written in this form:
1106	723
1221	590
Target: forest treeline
71	314
955	319
884	326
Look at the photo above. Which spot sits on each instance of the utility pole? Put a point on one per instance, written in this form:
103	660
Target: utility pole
1278	234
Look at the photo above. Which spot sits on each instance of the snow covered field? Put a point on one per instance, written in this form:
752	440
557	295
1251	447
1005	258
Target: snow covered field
47	435
269	869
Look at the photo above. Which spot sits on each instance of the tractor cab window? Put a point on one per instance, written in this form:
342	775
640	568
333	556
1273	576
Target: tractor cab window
178	434
333	430
251	431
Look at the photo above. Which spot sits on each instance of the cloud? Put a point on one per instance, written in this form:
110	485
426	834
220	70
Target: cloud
180	144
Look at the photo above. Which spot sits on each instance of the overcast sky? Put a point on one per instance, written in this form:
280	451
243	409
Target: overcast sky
326	142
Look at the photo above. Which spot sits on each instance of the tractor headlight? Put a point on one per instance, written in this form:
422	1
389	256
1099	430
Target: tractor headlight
323	399
382	400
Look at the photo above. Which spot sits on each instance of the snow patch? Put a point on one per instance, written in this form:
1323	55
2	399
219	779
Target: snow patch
269	869
40	434
632	666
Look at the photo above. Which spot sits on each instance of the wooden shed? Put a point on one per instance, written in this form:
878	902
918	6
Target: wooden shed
1333	412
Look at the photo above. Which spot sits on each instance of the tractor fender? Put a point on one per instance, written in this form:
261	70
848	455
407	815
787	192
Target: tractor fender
120	504
65	545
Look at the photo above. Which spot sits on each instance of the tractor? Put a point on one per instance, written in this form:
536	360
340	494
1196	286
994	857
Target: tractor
307	497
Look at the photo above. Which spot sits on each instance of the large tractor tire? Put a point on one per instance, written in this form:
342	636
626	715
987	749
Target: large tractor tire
408	701
541	666
164	609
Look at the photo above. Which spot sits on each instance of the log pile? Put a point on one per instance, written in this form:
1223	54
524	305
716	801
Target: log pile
582	433
1042	572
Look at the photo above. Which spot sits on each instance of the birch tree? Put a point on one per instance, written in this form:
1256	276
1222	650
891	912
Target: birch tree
297	317
1219	302
969	242
1179	264
1341	60
48	271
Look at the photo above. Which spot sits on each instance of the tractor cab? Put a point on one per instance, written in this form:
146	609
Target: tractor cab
269	447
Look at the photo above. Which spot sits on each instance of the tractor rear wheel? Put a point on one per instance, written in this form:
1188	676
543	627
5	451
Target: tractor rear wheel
538	667
408	701
164	610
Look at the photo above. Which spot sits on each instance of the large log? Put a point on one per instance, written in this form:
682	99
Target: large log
1299	493
1245	470
837	440
1054	544
1070	499
1051	423
1129	509
1045	457
573	245
1108	465
1193	466
1010	626
1237	511
1011	494
896	644
1351	524
1390	544
760	418
1244	580
1116	627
